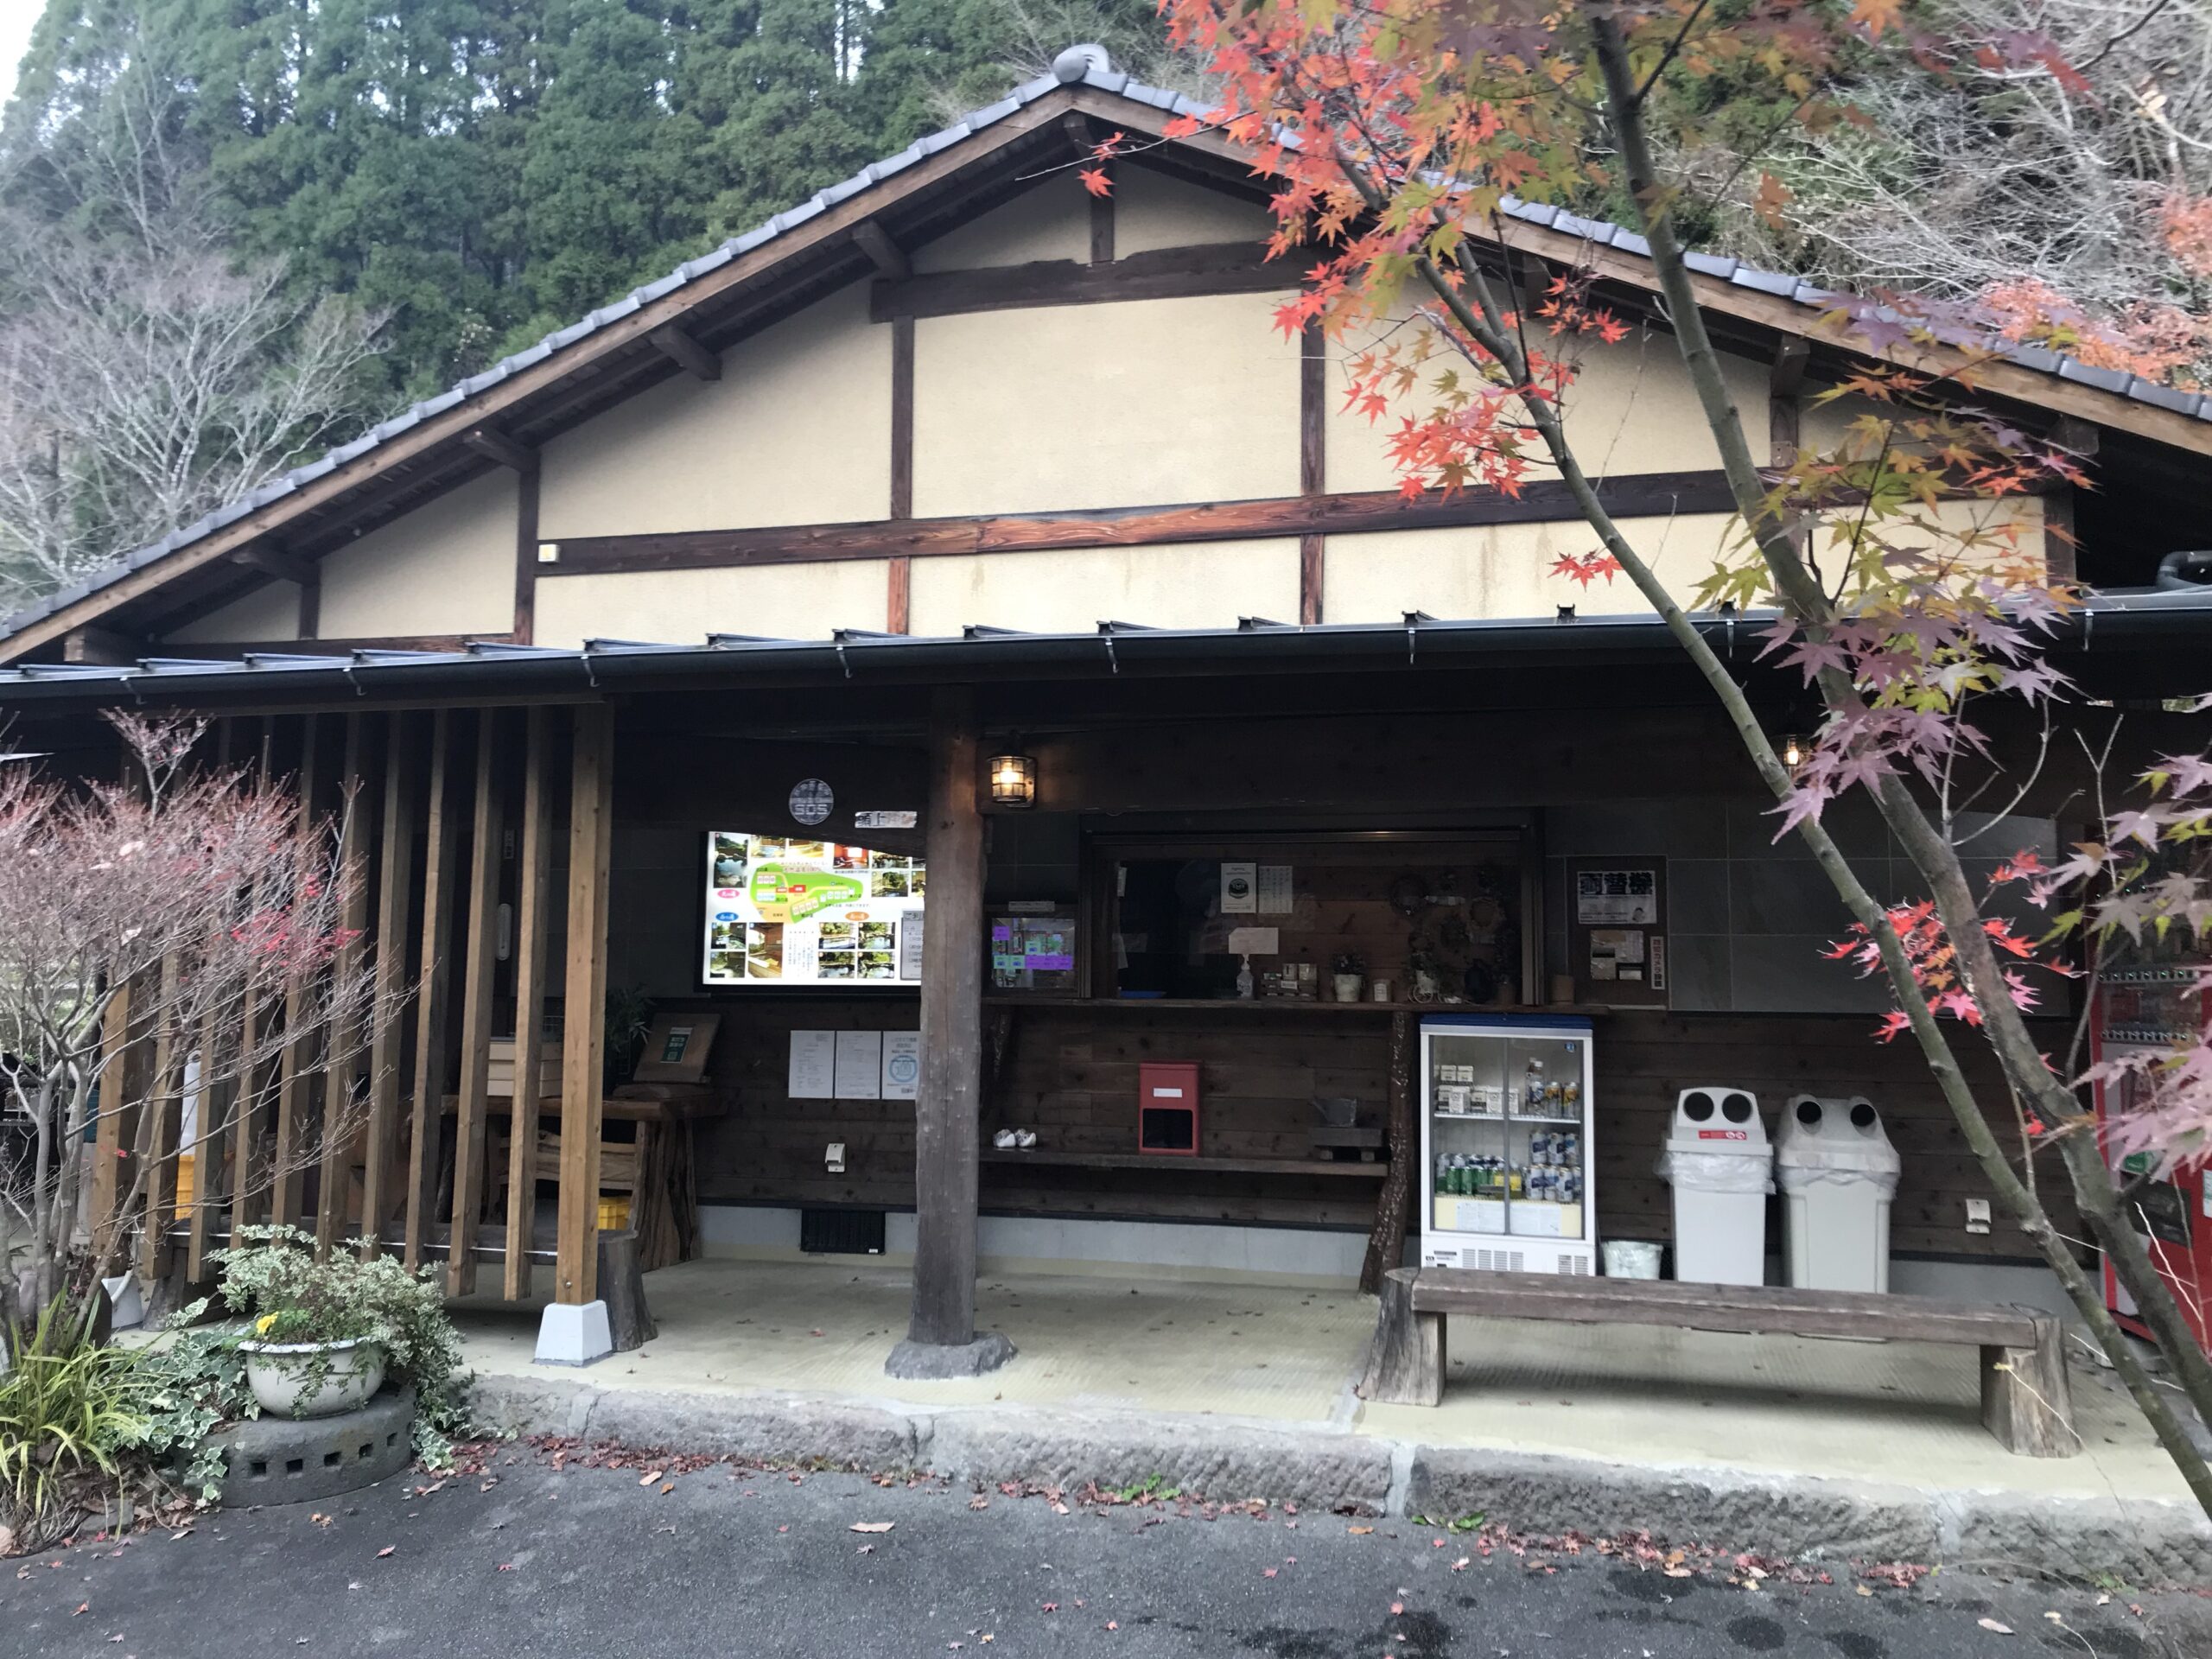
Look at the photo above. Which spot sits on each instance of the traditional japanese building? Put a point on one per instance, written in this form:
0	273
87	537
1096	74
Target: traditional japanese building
960	539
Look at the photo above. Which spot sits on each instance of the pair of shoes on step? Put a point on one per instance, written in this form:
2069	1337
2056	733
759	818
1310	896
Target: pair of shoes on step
1008	1139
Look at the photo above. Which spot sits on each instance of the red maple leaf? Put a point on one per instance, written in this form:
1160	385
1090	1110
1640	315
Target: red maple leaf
1095	181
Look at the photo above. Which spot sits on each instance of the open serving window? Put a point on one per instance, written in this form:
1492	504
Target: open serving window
1433	918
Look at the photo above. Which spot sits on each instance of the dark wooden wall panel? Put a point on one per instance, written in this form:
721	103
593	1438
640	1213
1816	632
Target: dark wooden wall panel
1071	1074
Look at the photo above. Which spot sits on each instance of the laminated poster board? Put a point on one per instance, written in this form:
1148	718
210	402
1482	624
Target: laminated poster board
1617	931
783	911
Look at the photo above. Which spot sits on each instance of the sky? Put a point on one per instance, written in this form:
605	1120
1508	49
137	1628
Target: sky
16	17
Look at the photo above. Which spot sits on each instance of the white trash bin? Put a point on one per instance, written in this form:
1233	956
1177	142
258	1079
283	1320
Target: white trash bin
1721	1167
1838	1173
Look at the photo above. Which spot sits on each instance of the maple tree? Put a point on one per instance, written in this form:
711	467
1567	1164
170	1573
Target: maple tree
1908	584
165	943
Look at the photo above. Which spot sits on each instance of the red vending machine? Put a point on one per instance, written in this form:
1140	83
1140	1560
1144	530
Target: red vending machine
2149	1002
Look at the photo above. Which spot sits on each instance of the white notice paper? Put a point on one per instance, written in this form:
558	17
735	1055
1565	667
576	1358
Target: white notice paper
1239	882
902	1064
813	1066
860	1065
1275	897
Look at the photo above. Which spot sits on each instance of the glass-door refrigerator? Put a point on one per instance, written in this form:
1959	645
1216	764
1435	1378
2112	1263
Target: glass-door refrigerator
1506	1154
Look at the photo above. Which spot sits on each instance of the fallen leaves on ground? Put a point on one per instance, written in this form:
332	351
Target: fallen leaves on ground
872	1526
1998	1625
385	1551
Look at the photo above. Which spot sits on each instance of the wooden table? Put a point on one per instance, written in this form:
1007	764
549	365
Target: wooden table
661	1174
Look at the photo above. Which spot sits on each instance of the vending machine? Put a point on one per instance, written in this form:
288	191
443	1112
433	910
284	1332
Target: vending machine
2150	1000
1506	1148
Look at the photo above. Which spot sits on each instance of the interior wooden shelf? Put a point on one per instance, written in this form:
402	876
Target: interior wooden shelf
1169	1163
1255	1005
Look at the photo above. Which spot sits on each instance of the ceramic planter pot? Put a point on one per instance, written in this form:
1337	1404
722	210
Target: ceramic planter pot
312	1379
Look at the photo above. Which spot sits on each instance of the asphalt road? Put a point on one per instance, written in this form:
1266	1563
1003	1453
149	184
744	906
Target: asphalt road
589	1563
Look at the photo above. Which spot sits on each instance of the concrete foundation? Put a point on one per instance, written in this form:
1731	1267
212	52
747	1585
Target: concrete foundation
569	1335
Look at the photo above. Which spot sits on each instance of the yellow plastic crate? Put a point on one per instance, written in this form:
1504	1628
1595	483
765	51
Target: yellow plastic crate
613	1214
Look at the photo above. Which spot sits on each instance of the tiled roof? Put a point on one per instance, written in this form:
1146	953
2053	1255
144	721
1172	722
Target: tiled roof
1083	66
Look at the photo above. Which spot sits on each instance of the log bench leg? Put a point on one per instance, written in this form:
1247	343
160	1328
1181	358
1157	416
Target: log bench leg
1405	1365
2026	1399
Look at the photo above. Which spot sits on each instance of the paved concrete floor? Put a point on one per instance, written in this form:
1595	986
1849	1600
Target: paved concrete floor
592	1563
1896	1413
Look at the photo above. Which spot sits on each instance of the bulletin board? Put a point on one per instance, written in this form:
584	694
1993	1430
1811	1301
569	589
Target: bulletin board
1617	931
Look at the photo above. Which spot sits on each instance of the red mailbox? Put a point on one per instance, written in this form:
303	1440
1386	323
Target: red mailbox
1168	1108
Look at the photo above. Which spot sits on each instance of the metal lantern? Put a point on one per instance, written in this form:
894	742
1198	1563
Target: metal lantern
1013	780
1795	751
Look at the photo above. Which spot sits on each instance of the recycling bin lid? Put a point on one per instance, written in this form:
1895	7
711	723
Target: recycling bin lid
1838	1135
1718	1118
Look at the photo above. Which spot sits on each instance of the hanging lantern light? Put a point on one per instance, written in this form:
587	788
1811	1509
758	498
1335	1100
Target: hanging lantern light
1795	749
1013	780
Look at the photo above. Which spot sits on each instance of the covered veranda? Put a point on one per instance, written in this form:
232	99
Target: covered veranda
529	822
1117	1347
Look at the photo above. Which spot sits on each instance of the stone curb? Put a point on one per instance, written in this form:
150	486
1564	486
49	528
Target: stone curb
2139	1541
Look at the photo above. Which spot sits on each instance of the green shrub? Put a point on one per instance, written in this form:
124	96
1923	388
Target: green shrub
67	1413
275	1281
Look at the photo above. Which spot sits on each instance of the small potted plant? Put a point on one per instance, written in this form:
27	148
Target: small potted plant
323	1333
306	1362
1346	969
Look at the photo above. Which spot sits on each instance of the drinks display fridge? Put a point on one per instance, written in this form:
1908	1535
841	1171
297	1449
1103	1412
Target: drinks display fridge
1506	1147
2151	1001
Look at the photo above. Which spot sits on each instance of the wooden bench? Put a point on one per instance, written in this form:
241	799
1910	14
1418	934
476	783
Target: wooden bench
2025	1400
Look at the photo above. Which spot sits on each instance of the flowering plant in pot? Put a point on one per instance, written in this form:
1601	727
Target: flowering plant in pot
326	1333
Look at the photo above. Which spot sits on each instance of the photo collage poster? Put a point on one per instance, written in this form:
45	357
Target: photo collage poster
785	911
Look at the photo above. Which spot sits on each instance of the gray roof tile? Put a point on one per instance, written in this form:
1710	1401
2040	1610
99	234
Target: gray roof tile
1765	282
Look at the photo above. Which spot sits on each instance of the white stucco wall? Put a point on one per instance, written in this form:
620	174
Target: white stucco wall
1194	584
447	567
797	431
1133	403
785	602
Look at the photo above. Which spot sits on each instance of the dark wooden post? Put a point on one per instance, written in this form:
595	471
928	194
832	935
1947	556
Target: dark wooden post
583	1027
941	1339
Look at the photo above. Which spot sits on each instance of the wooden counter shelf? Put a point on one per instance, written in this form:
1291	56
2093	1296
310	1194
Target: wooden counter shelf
1321	1166
1254	1005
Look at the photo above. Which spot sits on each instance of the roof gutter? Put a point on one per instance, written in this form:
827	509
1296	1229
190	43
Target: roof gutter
2110	621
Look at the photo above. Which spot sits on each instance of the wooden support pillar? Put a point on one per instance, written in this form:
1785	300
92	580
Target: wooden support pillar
530	1006
591	825
292	1065
116	1128
941	1339
157	1116
338	1069
476	1010
898	603
430	994
206	1145
244	1183
396	884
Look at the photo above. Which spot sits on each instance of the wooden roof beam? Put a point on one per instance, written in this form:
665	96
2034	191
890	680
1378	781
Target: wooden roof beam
495	445
886	255
683	348
275	561
105	646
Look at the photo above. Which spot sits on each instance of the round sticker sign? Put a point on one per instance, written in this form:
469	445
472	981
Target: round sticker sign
811	800
903	1069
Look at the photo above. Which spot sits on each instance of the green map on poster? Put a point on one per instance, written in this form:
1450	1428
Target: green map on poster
788	895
